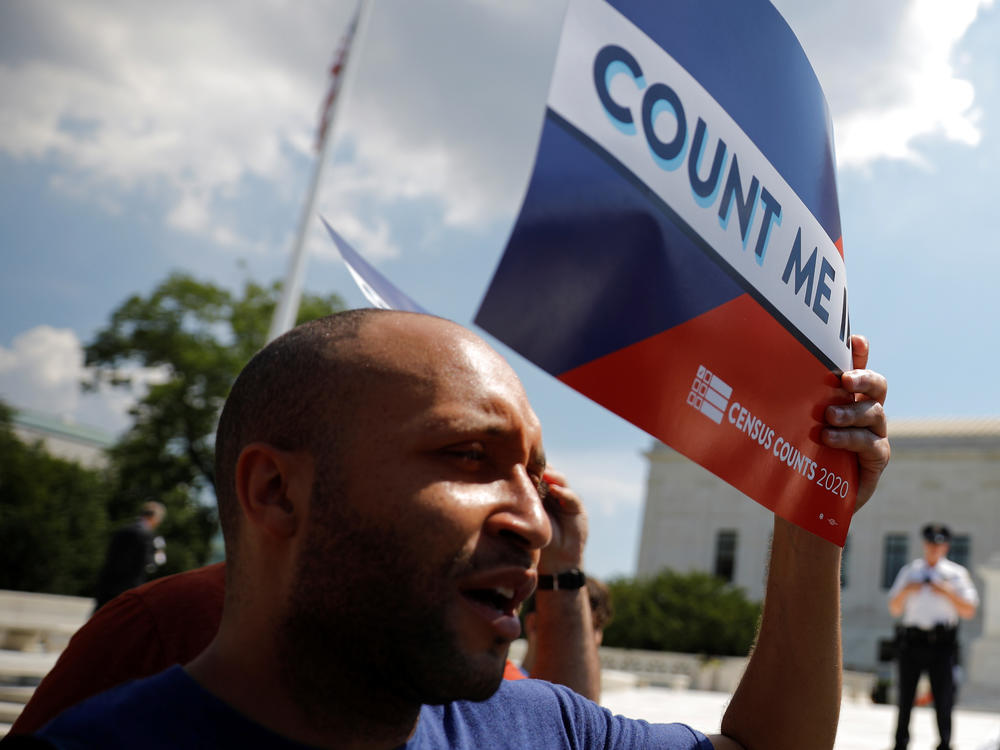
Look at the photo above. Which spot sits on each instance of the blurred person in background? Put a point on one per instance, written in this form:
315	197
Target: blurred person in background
134	553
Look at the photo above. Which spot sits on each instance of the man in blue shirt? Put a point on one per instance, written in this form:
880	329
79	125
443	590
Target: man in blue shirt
380	491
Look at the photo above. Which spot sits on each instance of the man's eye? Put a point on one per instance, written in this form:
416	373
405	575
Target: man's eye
469	453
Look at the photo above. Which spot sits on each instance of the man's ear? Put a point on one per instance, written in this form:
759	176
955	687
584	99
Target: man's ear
274	487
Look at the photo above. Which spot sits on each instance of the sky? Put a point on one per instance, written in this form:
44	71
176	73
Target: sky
139	139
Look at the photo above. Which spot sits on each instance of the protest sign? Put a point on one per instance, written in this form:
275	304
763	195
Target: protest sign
677	257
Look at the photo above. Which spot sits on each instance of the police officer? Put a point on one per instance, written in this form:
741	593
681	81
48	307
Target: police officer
930	595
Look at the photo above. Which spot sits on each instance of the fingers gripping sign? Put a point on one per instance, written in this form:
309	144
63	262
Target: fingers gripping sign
861	426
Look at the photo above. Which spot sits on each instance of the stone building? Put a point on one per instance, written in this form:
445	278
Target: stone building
945	470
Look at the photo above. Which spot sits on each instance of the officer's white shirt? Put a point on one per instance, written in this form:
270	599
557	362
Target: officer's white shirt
926	608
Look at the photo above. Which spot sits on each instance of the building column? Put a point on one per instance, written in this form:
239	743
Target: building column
984	654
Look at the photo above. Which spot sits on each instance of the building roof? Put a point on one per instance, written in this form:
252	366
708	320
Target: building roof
50	424
944	427
919	432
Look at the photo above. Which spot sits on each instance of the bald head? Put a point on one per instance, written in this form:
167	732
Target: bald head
376	462
304	389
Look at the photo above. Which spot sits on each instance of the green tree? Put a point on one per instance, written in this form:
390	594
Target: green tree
53	519
198	336
683	612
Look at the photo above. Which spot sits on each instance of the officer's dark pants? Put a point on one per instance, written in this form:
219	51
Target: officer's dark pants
934	653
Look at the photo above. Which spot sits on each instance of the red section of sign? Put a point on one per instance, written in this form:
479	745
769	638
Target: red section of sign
701	387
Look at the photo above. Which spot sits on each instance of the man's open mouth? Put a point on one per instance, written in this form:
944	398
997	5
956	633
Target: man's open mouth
499	598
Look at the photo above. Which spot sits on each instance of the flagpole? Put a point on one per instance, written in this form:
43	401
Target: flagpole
291	292
291	289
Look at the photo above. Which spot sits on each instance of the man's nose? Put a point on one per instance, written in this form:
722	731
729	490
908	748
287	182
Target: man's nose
521	515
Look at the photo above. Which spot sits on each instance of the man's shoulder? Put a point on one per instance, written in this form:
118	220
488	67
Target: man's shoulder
136	528
949	564
164	685
153	623
188	586
194	597
116	713
125	534
163	712
548	716
526	694
952	568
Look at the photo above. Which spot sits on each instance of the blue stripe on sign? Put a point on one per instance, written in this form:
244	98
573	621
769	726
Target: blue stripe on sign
709	38
588	263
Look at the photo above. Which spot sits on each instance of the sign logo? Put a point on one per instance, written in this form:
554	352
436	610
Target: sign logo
710	394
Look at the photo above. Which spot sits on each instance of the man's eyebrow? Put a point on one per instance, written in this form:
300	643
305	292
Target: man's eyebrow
491	426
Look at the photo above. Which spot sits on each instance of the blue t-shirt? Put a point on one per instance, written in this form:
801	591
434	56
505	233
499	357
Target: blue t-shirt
171	710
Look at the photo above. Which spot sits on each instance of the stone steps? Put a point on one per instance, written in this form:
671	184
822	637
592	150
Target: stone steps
16	665
10	711
16	693
32	622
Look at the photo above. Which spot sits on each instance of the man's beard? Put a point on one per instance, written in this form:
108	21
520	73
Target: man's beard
366	624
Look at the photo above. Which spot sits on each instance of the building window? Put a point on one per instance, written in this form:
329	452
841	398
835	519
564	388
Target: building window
725	555
843	563
960	549
895	555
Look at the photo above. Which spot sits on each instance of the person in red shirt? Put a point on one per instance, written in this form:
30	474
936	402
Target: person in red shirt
138	633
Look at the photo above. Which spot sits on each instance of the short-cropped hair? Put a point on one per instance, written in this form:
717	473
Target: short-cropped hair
297	392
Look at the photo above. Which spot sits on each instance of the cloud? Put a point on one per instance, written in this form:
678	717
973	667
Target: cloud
440	117
43	370
193	103
446	105
186	101
890	79
183	100
610	482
